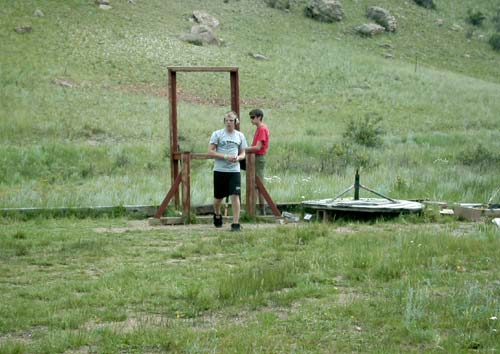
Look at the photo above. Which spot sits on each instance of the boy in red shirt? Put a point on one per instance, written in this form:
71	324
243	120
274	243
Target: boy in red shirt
259	147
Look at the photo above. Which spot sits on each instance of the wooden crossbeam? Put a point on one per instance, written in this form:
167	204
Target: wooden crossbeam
173	190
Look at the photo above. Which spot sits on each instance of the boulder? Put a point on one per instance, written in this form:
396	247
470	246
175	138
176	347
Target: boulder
325	10
38	13
258	56
206	19
382	17
23	29
200	35
369	29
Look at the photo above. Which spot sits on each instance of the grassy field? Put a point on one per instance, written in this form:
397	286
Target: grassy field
121	286
104	140
84	122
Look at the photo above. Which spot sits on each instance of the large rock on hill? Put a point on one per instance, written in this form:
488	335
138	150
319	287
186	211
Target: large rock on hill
382	17
369	29
206	19
204	31
325	10
200	35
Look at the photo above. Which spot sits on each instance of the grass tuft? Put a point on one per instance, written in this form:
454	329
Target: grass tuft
255	281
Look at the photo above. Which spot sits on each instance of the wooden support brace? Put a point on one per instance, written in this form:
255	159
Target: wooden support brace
173	190
267	197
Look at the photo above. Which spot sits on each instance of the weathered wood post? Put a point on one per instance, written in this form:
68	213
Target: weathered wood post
250	180
186	185
174	145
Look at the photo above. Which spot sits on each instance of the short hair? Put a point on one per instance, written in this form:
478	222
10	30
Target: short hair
257	113
230	115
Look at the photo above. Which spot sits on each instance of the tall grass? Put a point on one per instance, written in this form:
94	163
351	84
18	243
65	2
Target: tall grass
104	140
113	285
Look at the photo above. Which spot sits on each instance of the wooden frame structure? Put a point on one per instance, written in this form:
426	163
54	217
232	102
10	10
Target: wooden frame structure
181	178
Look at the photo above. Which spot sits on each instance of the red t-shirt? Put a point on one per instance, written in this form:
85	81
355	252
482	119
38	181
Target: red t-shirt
261	134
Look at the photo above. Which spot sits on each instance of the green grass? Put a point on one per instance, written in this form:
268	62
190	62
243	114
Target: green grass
115	285
111	285
104	141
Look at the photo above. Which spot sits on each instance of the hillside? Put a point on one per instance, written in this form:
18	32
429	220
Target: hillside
83	114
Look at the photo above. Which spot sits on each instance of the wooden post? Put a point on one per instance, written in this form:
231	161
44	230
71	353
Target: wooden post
174	146
186	185
235	94
356	186
250	179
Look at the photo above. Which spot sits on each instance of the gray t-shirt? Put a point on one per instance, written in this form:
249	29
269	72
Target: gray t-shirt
228	143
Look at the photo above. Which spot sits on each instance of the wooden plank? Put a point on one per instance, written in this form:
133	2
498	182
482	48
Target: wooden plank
145	211
203	68
173	190
267	197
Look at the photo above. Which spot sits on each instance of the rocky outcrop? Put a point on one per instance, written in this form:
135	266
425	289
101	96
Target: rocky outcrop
205	19
325	10
382	17
204	31
369	29
200	35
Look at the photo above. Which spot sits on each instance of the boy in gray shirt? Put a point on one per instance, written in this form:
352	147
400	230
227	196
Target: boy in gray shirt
227	146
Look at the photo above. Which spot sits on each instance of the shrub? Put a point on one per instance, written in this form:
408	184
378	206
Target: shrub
336	158
494	41
366	132
479	156
475	18
428	4
278	4
496	19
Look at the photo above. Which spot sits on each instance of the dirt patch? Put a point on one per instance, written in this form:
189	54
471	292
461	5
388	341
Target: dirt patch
191	97
23	337
134	225
131	324
345	230
81	350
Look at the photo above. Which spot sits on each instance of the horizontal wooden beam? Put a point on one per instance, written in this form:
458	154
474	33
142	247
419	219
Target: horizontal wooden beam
203	68
177	156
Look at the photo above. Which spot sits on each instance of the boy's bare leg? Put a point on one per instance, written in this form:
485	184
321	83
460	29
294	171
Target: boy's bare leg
235	201
217	206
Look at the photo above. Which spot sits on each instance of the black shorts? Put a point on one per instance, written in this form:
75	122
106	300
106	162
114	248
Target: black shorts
226	184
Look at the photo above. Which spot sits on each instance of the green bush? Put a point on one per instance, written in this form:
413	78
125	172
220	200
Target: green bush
366	132
479	156
278	4
496	20
428	4
475	18
494	41
336	158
